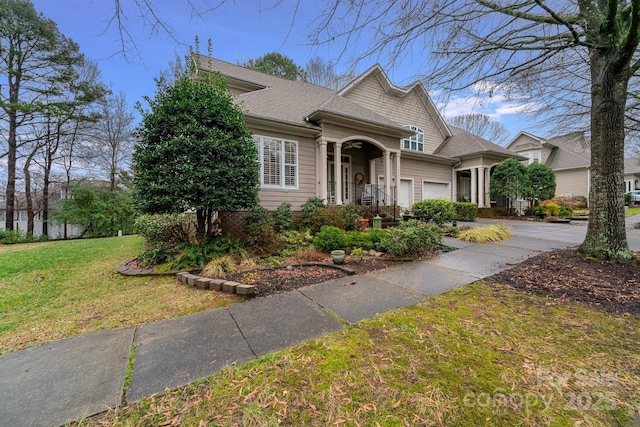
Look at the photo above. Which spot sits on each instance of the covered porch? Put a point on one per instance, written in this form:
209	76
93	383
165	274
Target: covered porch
365	174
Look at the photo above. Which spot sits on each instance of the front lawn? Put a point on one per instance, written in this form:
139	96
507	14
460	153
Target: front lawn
60	289
479	355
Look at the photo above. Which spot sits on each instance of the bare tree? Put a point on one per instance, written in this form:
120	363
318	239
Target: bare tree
576	56
482	126
322	73
113	137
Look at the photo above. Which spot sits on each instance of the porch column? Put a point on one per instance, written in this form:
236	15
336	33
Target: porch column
322	171
474	185
337	168
481	187
397	177
487	182
387	177
454	186
372	172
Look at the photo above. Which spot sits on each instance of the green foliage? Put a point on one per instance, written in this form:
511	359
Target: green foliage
411	238
161	233
550	208
358	239
277	64
194	147
350	214
627	199
510	179
466	211
309	210
358	254
542	182
330	238
565	211
296	239
283	217
437	211
375	236
450	231
260	232
317	217
100	212
11	237
198	255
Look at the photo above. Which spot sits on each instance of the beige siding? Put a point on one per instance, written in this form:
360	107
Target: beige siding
272	198
424	171
404	110
575	182
524	143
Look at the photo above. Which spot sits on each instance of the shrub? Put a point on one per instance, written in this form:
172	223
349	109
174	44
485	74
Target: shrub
358	254
329	216
411	238
330	238
283	217
358	239
350	214
11	237
309	209
576	202
375	236
437	211
261	238
162	233
565	211
550	208
296	239
466	211
490	233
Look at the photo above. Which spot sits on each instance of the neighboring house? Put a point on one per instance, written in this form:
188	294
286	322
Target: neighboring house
57	193
370	143
632	174
570	158
568	155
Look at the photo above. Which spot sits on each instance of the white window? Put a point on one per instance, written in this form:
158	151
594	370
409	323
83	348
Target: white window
416	141
535	157
278	162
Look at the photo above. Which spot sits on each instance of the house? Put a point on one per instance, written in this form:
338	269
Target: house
370	143
57	193
568	155
570	158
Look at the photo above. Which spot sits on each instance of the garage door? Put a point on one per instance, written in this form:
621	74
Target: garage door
435	190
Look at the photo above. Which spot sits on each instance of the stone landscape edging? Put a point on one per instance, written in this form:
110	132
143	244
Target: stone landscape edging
190	278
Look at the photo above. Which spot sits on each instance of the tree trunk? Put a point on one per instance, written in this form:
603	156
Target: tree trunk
29	198
10	201
606	233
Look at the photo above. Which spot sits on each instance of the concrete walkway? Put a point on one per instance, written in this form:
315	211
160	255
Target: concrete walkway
78	377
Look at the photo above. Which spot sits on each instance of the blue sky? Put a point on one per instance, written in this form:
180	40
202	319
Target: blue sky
240	30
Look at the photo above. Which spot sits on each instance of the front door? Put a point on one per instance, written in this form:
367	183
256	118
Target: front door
346	173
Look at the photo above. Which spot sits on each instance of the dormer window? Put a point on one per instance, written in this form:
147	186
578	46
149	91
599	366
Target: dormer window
416	141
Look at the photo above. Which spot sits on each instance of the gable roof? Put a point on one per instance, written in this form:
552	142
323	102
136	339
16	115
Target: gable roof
464	144
569	151
291	101
401	92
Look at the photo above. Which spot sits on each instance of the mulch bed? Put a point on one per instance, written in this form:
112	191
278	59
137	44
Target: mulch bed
275	280
564	274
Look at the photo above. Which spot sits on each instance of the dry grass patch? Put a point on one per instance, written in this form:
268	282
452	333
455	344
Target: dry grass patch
55	290
479	355
487	234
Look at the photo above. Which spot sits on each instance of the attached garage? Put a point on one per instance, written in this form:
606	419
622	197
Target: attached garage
435	190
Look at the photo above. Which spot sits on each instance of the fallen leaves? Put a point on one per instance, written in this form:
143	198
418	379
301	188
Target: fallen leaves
564	274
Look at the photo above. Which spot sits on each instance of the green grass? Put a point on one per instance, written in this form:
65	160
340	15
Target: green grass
60	289
479	355
633	211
